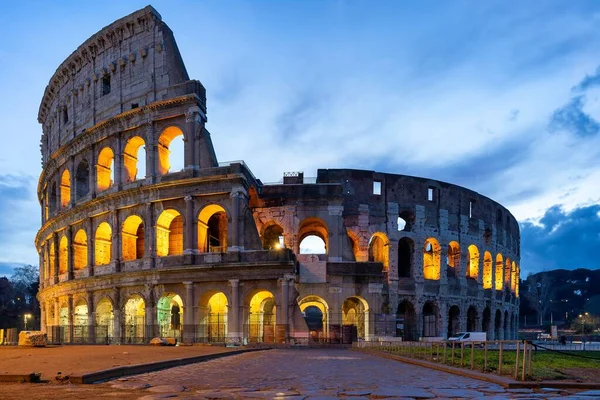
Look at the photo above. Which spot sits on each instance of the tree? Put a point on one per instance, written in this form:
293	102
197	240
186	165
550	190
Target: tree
539	293
25	282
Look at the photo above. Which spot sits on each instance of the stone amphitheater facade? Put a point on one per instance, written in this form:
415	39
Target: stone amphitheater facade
131	249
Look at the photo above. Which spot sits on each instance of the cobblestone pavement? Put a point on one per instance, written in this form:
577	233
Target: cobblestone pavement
289	374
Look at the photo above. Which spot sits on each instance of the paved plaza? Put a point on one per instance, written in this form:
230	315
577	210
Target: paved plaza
290	374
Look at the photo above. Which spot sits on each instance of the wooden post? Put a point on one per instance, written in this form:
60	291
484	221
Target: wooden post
452	362
472	356
462	354
485	356
500	358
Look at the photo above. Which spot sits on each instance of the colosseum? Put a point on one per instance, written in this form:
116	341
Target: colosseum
131	248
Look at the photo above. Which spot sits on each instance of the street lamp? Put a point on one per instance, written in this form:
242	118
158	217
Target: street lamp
25	317
582	316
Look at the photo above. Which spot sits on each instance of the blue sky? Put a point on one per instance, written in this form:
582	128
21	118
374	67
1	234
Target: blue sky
498	96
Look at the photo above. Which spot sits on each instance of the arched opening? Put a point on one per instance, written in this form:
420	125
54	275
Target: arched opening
212	229
453	259
430	317
487	270
408	219
217	318
169	233
472	319
313	236
354	241
82	179
135	319
486	320
134	160
499	270
80	322
453	321
52	198
104	321
169	316
355	319
63	255
406	321
316	314
63	322
132	238
272	237
406	251
507	270
517	283
103	244
497	324
513	277
80	250
170	142
431	259
506	326
473	266
261	317
379	250
65	188
105	174
52	259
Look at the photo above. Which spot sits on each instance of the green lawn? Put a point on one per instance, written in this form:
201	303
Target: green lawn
546	365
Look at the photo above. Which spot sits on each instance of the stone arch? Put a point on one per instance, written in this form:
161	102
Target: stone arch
105	172
487	270
213	311
132	159
379	249
506	326
134	318
80	321
473	264
316	314
103	244
453	259
169	233
132	238
104	320
453	320
497	324
406	321
355	314
261	316
82	179
80	250
518	281
513	277
431	259
406	253
409	219
164	142
315	229
169	315
52	198
65	188
486	320
472	319
430	319
507	269
499	271
355	244
212	229
63	255
52	258
272	236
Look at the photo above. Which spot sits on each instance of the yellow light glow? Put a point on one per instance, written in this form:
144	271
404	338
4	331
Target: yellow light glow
431	259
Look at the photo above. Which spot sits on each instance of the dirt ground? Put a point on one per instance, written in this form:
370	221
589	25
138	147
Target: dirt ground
77	360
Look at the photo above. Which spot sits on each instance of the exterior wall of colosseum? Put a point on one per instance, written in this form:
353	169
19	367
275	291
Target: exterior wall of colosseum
131	248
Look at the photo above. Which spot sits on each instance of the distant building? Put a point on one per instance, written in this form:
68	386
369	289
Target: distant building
130	249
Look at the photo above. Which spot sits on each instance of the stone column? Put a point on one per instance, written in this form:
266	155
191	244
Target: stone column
43	317
56	257
501	330
72	180
118	337
93	172
91	249
334	245
118	162
234	334
70	313
188	313
116	240
91	322
151	317
283	323
189	138
69	234
236	195
150	235
41	264
151	153
189	226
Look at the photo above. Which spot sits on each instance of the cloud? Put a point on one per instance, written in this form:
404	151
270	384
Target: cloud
562	239
571	117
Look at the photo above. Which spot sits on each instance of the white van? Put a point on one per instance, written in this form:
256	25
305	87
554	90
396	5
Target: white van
468	337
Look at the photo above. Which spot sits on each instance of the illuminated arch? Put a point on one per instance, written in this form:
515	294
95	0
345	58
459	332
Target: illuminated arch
169	315
507	273
487	270
164	152
132	159
379	249
169	233
212	229
104	320
80	250
80	321
103	244
355	312
132	238
272	237
316	314
135	319
65	188
314	230
518	281
431	259
262	317
355	245
213	307
104	169
63	255
52	258
453	259
499	270
513	277
82	179
473	265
